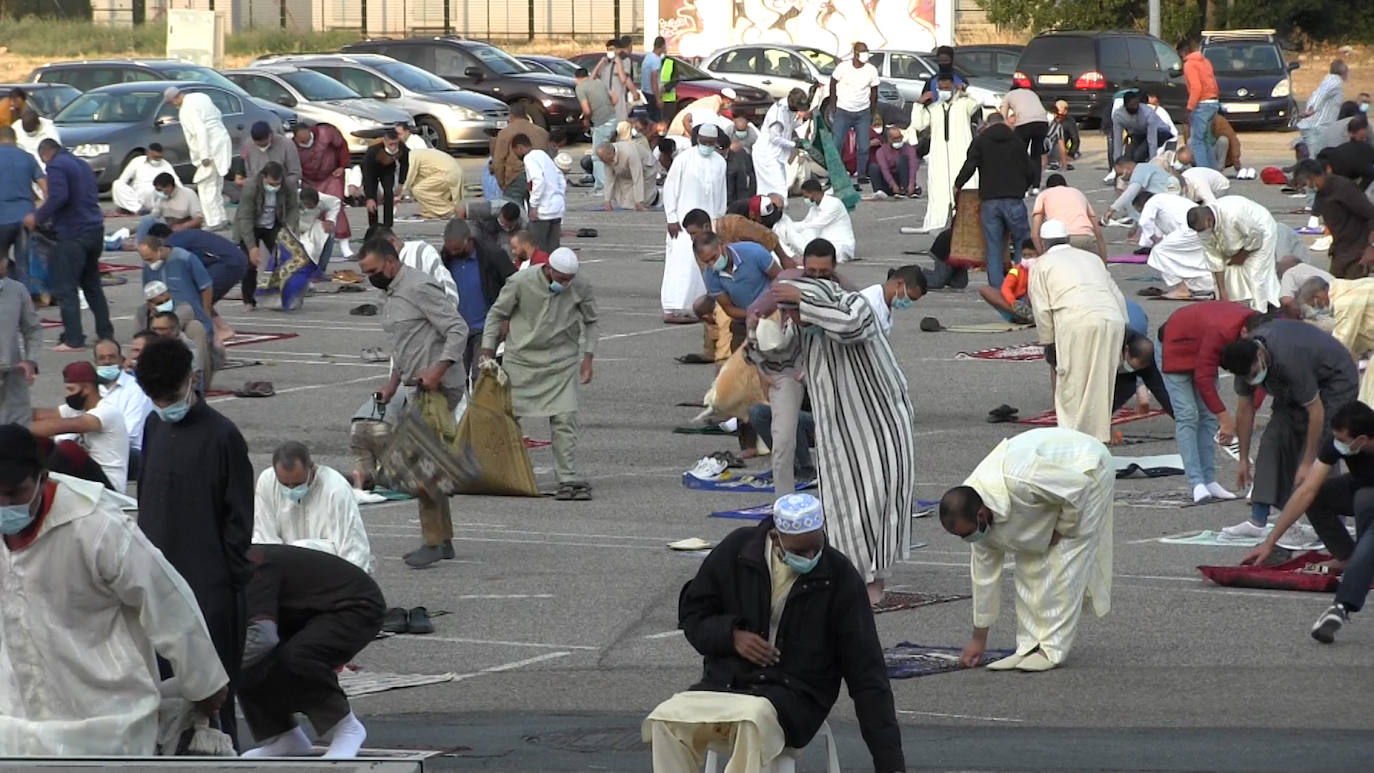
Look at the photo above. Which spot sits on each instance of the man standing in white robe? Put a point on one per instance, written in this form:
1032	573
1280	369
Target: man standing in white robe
864	441
1080	311
88	603
1044	496
1241	238
827	219
951	133
208	147
134	191
777	142
1175	250
695	181
300	503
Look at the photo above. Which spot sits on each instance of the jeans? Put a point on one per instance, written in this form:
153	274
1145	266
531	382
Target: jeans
1340	496
902	176
1000	217
1200	137
602	133
859	123
1195	425
76	264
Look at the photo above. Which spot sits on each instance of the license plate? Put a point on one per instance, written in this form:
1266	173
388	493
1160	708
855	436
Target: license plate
1054	80
1243	107
502	123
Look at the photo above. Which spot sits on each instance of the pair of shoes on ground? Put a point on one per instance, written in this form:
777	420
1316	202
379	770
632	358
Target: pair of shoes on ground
414	620
1002	414
1248	173
425	555
573	492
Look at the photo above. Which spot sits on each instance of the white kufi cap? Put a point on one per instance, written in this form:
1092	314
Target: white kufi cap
1053	229
798	514
708	131
563	260
729	93
153	289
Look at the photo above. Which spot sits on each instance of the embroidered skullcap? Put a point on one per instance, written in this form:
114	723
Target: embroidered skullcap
798	514
563	260
153	289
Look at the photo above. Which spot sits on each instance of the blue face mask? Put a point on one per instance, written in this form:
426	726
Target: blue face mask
271	188
1258	378
165	306
801	565
295	493
16	518
977	536
555	287
706	150
177	410
107	372
902	301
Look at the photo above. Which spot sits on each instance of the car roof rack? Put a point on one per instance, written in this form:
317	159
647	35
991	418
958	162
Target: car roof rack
1239	34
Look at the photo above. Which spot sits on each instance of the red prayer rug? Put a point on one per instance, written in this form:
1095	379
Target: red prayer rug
1292	574
1048	419
1019	353
110	268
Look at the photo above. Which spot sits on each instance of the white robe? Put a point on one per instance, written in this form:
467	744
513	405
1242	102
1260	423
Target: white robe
206	137
830	220
951	134
86	606
47	130
789	235
1204	185
1243	224
1175	249
422	257
1040	483
133	191
311	226
327	519
772	149
694	182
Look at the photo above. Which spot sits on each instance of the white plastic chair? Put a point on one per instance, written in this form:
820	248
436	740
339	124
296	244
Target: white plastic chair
786	762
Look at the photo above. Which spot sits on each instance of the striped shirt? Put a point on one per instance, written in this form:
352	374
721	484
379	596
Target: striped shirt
1325	102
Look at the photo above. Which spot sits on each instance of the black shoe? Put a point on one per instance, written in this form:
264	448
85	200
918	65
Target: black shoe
1329	623
419	559
397	620
420	622
448	551
1053	167
1068	167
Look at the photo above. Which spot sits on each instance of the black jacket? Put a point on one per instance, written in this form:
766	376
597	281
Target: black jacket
739	175
1003	166
826	633
496	266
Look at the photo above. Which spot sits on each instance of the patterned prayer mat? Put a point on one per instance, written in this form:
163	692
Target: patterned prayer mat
355	683
1128	259
245	338
987	327
1018	353
110	268
731	480
907	660
532	443
1298	573
1127	414
709	429
894	601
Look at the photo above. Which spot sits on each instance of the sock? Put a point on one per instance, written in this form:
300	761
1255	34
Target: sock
345	738
1217	491
1200	493
292	743
1259	514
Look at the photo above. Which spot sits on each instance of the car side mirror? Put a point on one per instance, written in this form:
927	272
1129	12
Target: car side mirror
1293	66
286	100
163	120
473	72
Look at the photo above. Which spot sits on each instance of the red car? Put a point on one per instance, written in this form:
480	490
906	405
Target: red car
752	103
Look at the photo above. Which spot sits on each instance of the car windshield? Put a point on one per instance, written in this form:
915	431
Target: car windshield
413	78
111	107
316	87
559	66
50	100
499	61
686	72
1230	58
200	75
824	62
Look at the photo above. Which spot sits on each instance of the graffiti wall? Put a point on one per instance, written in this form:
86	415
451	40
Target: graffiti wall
695	28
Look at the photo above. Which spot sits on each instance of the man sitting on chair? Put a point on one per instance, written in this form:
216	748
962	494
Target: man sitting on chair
772	671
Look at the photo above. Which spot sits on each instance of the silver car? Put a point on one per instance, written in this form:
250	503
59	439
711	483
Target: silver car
910	71
779	68
445	116
320	99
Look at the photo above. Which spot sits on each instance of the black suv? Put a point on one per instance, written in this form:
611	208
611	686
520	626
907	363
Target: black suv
486	69
1087	70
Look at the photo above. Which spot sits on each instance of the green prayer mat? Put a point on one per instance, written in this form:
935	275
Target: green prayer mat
840	184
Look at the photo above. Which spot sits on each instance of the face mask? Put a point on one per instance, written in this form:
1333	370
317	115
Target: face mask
1343	449
722	263
902	301
899	144
164	306
863	57
945	96
16	518
705	150
163	195
295	493
555	287
801	565
742	134
379	280
177	410
391	152
76	402
1125	367
1258	378
261	148
977	536
1178	166
813	202
1364	107
156	265
610	55
308	143
107	372
271	188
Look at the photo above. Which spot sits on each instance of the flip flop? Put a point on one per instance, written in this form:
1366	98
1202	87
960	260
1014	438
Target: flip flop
347	288
365	310
1149	292
586	233
694	359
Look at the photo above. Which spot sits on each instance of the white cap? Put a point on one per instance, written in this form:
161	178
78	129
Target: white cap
153	289
1053	229
709	131
563	161
563	260
170	93
798	514
729	93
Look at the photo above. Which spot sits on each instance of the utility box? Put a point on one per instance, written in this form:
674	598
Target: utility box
195	36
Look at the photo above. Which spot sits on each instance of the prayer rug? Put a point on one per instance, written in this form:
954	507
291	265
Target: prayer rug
1019	353
1214	539
1162	500
894	601
1160	466
1127	414
709	429
232	364
731	480
966	245
49	323
1292	574
1128	259
532	443
987	327
245	338
218	392
355	683
907	660
110	268
922	508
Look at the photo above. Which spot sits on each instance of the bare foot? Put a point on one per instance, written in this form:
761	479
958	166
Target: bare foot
65	348
875	592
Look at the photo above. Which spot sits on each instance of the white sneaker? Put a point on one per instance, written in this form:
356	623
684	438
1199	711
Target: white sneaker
345	249
1246	529
1300	536
1123	222
81	294
1322	244
879	195
1314	222
707	468
1110	176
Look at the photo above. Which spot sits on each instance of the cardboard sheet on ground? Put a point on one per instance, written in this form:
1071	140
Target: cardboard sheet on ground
355	683
1127	414
739	480
987	327
1158	466
907	659
1017	353
1293	574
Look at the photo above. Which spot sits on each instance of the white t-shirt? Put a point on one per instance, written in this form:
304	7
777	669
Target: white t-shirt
109	447
853	86
126	395
878	302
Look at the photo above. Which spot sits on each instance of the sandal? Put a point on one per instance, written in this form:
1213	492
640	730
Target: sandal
1149	292
565	493
581	492
728	458
374	354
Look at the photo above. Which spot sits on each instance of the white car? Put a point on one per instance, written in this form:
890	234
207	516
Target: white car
777	69
320	99
910	71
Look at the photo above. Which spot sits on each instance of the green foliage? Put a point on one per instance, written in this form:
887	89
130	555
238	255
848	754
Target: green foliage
36	36
275	40
1337	21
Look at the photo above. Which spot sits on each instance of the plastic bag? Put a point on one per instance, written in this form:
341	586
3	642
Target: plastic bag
489	429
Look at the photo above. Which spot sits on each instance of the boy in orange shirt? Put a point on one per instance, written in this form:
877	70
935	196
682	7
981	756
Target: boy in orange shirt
1010	300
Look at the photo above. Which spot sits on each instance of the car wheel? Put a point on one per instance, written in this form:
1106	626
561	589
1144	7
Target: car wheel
432	132
535	112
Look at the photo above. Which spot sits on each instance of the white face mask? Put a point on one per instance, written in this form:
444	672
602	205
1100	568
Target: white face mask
610	54
863	57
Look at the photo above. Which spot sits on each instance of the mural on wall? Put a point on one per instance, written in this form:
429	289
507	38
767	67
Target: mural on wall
695	28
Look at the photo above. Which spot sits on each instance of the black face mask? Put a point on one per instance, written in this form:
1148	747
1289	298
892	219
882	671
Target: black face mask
379	280
76	402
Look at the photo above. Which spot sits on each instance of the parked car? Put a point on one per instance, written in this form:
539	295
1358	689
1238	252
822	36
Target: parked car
778	69
89	74
555	65
1253	76
471	64
109	126
996	61
752	103
446	117
910	71
1086	69
320	99
46	98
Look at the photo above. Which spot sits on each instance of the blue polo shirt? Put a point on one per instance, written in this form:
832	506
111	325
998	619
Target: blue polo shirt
1150	177
1136	321
210	247
472	300
185	277
747	276
73	204
16	183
